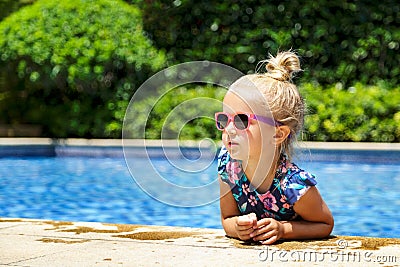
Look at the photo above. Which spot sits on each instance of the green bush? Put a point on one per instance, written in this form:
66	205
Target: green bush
72	66
359	113
184	113
7	7
339	41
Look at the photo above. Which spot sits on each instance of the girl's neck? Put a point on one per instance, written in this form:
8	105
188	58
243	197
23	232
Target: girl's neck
261	172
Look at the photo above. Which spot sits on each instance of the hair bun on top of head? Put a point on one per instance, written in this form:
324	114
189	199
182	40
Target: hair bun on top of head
283	66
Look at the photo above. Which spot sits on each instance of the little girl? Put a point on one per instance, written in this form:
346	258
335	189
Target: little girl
265	197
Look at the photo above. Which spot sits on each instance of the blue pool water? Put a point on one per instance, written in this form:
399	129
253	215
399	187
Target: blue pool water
364	198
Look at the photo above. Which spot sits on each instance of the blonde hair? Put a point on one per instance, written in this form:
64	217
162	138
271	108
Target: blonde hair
283	98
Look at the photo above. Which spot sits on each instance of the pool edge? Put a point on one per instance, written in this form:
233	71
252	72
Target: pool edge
22	141
43	242
309	151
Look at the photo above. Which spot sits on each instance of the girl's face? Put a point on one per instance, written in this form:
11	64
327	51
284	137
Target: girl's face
247	145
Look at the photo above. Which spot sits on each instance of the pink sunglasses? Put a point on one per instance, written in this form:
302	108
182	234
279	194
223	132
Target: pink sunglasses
241	121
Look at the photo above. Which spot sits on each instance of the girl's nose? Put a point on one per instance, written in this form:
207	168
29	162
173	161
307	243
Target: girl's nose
230	128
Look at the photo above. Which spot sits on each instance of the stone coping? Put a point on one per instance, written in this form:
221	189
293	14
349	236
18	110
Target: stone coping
28	242
386	153
185	143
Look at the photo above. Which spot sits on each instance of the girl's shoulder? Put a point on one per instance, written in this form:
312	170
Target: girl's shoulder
295	181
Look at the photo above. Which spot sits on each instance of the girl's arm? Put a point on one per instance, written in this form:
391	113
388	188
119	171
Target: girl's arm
234	224
317	221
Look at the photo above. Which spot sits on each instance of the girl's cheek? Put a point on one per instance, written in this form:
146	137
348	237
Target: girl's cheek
224	142
225	139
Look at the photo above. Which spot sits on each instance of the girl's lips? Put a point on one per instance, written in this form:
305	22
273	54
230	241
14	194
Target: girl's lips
230	143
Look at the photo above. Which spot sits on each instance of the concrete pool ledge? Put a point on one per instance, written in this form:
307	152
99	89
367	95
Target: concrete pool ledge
28	242
22	141
307	151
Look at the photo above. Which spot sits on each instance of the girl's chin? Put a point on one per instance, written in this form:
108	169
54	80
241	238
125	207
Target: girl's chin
235	153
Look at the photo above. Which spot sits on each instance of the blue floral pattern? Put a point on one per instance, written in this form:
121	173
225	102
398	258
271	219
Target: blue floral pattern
289	185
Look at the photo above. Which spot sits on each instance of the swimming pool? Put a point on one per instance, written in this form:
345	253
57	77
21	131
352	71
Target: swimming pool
363	197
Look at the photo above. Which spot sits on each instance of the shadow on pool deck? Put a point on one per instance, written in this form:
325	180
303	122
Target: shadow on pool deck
26	242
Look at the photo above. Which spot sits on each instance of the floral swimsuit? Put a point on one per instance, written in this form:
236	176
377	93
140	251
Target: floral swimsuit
289	185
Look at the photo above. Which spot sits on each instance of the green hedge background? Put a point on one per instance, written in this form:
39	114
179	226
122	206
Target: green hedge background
72	66
339	41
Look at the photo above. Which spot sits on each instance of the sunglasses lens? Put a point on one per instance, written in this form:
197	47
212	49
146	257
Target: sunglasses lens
241	121
222	121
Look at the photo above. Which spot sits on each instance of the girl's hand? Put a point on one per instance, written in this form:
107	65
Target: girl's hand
245	225
267	231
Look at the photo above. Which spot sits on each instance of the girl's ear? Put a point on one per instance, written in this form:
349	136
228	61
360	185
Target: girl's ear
281	133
